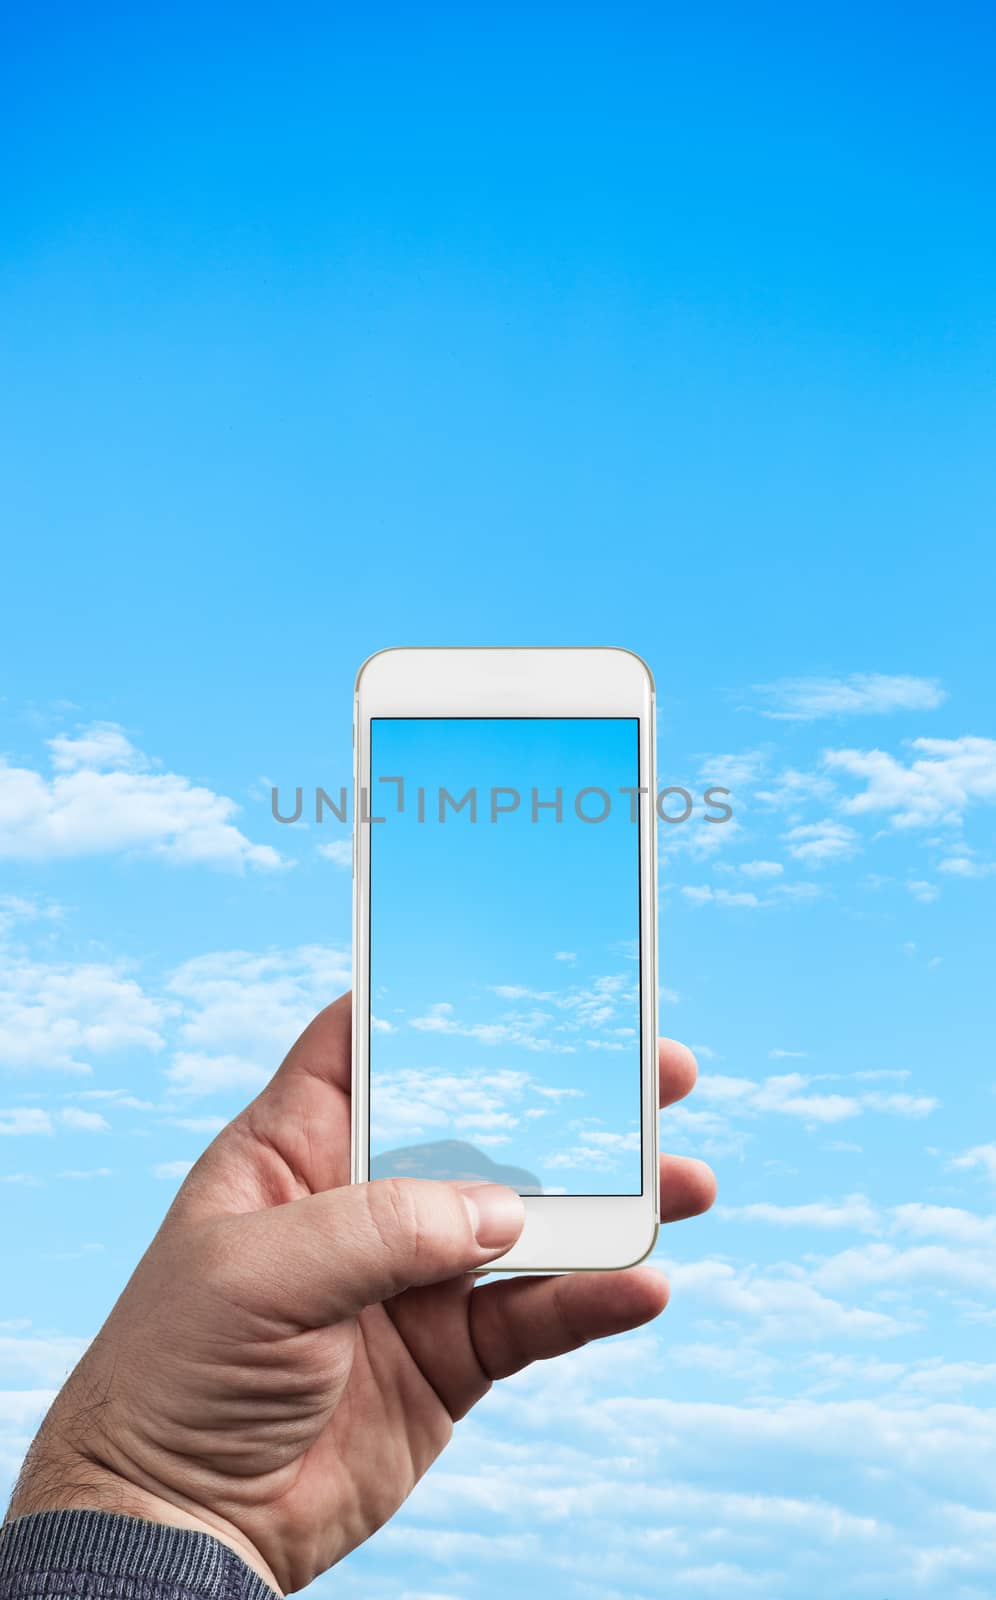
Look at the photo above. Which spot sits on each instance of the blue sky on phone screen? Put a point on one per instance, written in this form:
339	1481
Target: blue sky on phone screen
504	953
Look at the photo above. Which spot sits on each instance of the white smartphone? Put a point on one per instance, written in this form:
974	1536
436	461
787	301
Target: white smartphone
505	938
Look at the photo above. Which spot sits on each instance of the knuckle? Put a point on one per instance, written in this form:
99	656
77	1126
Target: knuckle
405	1222
393	1213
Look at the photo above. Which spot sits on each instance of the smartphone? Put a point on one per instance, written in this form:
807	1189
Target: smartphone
505	938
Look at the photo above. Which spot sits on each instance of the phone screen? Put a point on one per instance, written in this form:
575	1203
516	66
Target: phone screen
505	952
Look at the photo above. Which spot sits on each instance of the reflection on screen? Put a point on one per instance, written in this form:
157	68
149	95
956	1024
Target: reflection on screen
504	952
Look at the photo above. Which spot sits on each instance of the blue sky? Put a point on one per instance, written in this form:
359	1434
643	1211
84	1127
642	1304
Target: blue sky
504	973
641	326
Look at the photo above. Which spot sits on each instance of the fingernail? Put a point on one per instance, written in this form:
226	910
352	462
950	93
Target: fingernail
496	1213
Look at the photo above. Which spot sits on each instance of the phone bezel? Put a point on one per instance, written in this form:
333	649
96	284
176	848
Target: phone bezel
563	1232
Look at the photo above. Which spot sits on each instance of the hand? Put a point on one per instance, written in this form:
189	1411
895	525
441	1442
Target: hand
292	1351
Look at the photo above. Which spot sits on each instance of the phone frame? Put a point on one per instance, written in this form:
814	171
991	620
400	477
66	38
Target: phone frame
562	1233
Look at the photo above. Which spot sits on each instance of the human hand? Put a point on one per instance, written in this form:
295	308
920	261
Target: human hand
292	1351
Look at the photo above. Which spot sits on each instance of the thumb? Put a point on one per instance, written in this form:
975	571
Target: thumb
328	1255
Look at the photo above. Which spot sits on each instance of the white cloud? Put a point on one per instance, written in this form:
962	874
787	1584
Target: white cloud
950	1223
339	852
462	1547
515	991
175	1171
601	1477
827	1371
935	1376
83	1121
438	1018
612	1141
101	747
426	1594
732	771
416	1103
25	1120
528	1029
694	1131
785	1095
901	1105
981	1158
797	891
923	891
609	999
241	1011
776	1307
944	778
581	1158
597	1148
60	1016
882	1265
19	908
37	1358
195	1072
793	788
605	1000
790	1094
761	869
856	1211
818	842
568	1493
862	693
704	894
697	838
935	1446
103	797
943	1249
21	1410
964	865
743	1362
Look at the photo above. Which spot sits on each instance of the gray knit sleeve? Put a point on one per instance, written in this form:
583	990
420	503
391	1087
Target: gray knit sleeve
98	1555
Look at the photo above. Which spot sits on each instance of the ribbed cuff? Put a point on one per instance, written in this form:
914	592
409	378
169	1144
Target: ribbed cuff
110	1557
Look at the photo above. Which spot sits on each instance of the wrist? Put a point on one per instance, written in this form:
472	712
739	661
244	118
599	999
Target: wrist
56	1477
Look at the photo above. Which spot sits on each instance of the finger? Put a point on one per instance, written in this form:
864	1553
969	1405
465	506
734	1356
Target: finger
688	1187
323	1258
677	1071
519	1320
